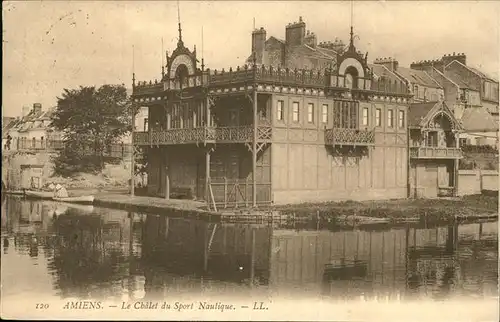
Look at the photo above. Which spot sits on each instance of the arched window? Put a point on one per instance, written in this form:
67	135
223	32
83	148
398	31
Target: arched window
182	74
351	77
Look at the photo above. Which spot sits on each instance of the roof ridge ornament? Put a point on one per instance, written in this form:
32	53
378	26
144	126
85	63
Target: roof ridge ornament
180	43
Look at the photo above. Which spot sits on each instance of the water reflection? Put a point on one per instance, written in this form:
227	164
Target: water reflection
97	253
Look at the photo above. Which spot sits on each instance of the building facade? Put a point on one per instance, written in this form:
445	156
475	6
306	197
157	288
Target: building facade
421	85
32	131
434	150
260	134
470	93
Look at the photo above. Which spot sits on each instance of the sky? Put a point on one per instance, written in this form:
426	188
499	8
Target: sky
52	45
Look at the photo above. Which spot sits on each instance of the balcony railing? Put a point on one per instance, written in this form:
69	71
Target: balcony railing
344	136
234	134
424	152
268	74
35	145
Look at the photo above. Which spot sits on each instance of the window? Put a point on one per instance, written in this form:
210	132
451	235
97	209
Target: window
365	116
415	91
390	118
310	112
345	114
401	119
349	81
295	111
378	117
324	113
432	139
280	111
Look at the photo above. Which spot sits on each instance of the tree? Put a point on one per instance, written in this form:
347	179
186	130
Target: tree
91	120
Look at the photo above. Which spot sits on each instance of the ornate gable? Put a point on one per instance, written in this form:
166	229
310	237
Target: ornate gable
352	61
439	110
182	59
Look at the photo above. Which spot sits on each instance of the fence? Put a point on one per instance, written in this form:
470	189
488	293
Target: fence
472	182
234	193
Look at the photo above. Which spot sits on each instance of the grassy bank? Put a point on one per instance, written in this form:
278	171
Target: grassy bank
430	209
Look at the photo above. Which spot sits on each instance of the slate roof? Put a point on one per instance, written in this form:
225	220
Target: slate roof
482	74
477	119
418	111
29	121
461	81
380	70
418	77
7	126
306	50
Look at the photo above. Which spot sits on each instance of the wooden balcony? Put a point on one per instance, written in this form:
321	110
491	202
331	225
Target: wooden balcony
234	134
343	136
424	152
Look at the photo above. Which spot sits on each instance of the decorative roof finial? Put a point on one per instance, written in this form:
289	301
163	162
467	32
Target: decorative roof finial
162	61
179	43
351	42
133	66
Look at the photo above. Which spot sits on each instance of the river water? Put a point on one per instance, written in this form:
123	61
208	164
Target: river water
61	251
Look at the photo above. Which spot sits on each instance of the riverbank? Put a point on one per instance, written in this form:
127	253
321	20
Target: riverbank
467	208
430	210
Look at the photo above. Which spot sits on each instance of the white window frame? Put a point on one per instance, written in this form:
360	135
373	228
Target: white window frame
310	112
295	112
365	116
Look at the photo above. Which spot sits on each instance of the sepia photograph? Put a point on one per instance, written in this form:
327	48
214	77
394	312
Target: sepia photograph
250	160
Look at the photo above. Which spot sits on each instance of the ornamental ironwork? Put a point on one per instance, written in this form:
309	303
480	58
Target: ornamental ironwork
234	134
346	136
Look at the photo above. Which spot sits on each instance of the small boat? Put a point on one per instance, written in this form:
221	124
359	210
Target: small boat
84	200
39	194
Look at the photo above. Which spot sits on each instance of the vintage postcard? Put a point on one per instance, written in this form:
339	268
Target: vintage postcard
241	160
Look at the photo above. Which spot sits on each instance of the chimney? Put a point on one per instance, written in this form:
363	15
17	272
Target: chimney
26	110
37	108
311	40
390	63
448	58
295	33
258	44
338	46
427	65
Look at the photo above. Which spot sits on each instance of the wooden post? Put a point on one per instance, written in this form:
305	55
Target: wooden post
254	149
225	192
132	158
207	175
167	179
205	249
246	192
209	117
252	261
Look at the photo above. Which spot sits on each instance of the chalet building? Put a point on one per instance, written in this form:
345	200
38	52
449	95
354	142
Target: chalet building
434	150
296	131
471	94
